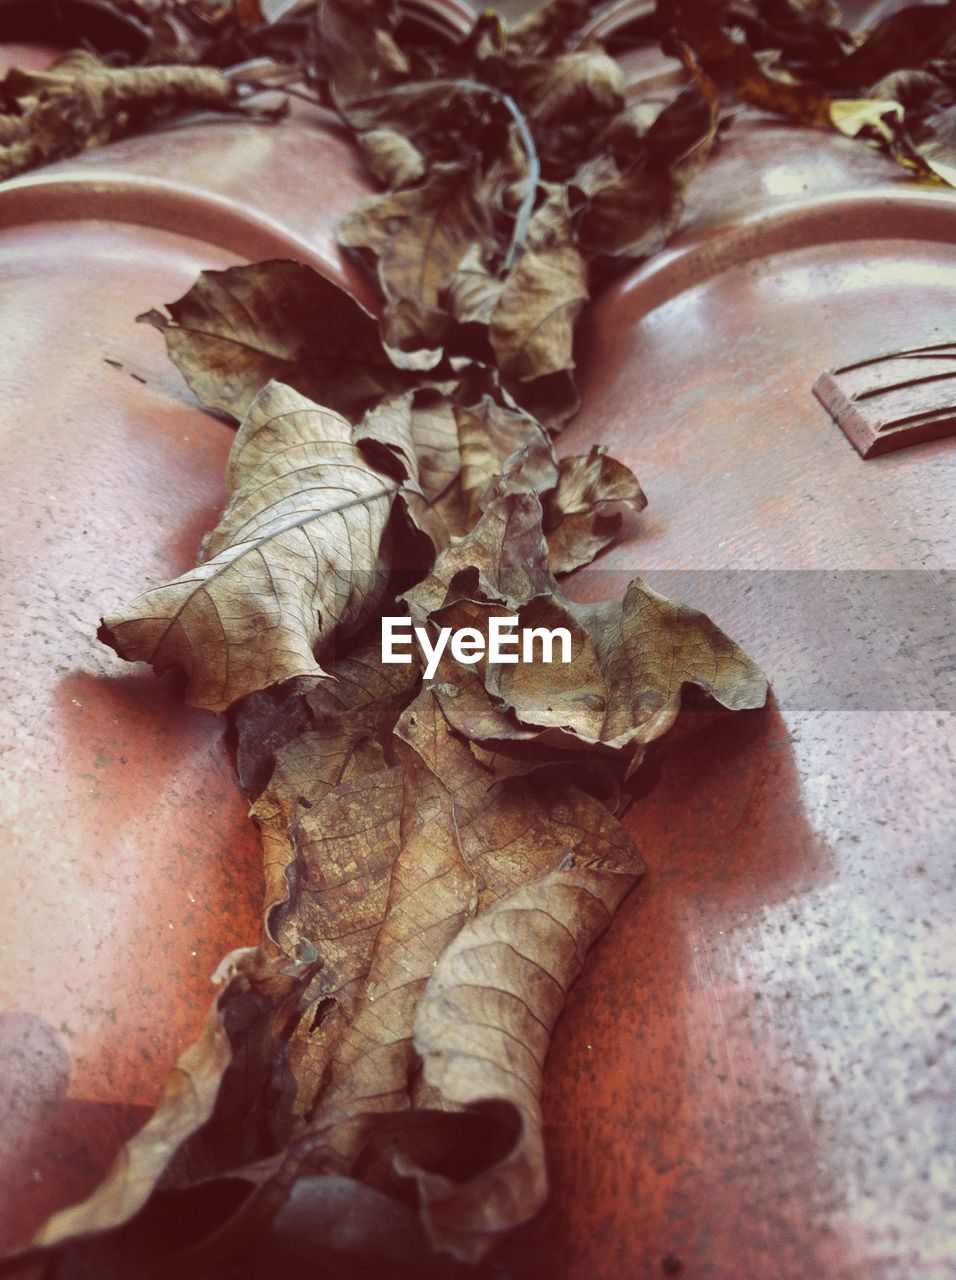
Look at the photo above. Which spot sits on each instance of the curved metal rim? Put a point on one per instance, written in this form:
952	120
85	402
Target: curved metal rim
616	16
114	196
456	16
829	219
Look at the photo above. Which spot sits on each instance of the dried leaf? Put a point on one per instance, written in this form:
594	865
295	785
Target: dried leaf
501	850
331	821
231	1067
700	26
908	38
584	84
297	553
504	557
357	53
630	662
483	1025
634	204
418	237
393	158
489	437
332	777
80	102
545	30
419	439
853	116
238	329
935	143
582	516
532	325
438	115
473	292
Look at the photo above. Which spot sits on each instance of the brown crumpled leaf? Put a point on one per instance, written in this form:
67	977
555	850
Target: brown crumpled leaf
228	1096
582	514
392	158
906	39
298	553
418	237
330	821
532	326
473	291
504	557
80	103
584	83
707	28
506	852
483	1025
238	329
357	53
543	31
439	115
879	86
489	438
935	143
629	660
635	191
459	451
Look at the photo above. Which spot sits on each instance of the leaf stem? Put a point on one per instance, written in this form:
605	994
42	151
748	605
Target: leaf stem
523	216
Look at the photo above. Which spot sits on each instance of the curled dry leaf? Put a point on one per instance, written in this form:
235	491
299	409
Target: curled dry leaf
417	435
504	557
473	292
392	158
532	326
800	64
542	868
705	28
483	1025
584	84
212	1102
80	102
357	54
544	31
908	38
491	437
238	329
297	553
418	238
635	193
331	823
629	660
582	515
935	143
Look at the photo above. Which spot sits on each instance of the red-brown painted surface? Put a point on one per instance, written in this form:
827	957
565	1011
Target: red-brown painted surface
751	1080
128	862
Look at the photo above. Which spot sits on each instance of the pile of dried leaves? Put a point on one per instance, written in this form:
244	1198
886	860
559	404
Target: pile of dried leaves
440	855
894	85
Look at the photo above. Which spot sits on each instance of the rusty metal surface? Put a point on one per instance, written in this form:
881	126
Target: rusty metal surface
751	1079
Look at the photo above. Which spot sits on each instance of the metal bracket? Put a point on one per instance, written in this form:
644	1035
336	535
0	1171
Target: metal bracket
893	401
